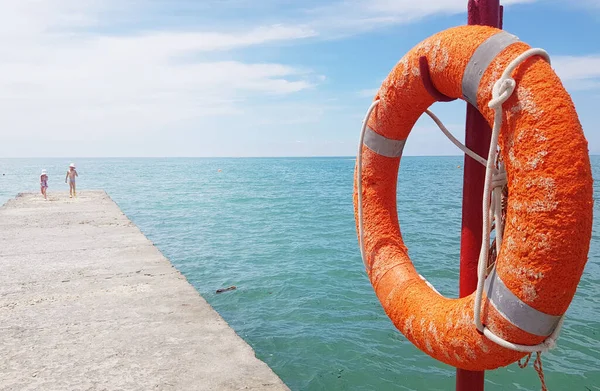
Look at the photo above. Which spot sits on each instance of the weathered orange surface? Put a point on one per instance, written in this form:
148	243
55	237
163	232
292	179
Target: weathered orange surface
549	216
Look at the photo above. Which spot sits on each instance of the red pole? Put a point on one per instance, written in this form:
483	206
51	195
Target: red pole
477	138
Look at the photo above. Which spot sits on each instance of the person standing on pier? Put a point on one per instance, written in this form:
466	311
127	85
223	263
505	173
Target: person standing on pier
44	184
70	177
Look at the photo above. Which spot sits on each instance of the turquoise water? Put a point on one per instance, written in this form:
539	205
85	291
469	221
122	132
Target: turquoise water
282	231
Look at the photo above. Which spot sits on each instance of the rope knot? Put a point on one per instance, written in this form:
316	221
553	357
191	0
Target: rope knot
549	343
503	89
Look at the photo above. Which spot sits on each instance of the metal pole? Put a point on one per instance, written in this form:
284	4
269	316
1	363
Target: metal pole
477	138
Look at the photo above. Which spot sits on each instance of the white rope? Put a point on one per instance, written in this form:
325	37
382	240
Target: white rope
495	179
359	184
548	344
492	204
460	145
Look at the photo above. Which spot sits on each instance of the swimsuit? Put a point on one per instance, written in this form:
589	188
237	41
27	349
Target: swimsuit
44	183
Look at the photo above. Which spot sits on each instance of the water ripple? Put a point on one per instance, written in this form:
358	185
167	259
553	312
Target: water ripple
283	232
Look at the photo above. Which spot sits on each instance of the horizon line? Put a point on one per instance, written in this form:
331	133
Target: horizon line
217	157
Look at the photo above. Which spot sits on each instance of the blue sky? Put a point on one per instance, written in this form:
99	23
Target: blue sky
243	78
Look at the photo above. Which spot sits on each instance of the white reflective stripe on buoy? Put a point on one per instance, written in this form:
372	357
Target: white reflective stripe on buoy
481	60
516	311
382	145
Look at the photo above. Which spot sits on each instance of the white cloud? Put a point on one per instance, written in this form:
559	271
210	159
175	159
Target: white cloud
171	43
578	72
355	16
368	93
58	79
589	3
422	8
88	70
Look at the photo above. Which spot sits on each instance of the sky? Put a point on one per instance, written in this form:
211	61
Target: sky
134	78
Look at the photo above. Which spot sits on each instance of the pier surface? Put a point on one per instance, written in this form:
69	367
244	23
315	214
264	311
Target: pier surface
88	303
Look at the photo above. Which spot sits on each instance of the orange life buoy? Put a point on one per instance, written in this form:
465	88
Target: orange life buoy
549	212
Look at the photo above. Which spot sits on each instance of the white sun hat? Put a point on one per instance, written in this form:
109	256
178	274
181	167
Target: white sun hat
72	165
44	172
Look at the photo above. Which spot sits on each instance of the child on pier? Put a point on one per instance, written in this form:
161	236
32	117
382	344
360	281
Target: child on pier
71	174
44	184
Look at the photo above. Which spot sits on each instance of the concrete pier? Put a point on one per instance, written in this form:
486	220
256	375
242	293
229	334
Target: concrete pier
88	303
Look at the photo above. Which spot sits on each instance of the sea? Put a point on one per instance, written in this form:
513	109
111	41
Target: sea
282	231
